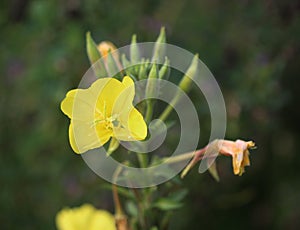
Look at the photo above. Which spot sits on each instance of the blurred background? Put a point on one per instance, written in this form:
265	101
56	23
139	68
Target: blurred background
251	47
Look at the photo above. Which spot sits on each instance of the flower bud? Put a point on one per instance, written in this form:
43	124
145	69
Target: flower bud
160	47
110	56
142	70
164	70
94	56
134	51
105	47
151	88
189	75
92	51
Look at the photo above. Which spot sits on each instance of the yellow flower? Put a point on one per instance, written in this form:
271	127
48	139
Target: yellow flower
102	111
239	152
85	217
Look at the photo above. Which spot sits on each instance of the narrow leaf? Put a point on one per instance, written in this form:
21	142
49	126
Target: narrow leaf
94	56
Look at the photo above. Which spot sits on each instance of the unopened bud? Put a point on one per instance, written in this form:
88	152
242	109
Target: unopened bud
160	47
164	70
94	56
151	88
186	81
134	51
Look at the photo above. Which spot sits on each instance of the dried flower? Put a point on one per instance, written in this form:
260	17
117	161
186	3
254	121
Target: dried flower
238	150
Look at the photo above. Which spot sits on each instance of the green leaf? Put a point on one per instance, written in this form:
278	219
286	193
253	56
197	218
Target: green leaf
94	56
166	204
154	228
92	50
131	208
179	195
214	172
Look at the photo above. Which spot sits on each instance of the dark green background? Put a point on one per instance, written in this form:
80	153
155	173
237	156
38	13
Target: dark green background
251	47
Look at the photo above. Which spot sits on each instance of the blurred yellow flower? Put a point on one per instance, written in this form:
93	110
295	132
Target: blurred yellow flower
106	46
85	217
102	111
239	152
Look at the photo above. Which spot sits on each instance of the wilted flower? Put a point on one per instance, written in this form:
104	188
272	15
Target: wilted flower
239	152
102	111
85	217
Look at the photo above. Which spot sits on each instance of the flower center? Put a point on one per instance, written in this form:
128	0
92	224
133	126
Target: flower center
109	122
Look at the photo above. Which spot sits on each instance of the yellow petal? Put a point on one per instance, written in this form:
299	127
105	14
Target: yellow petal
76	218
237	160
246	161
79	104
236	168
127	81
123	102
135	127
102	220
72	140
103	134
107	95
84	217
84	136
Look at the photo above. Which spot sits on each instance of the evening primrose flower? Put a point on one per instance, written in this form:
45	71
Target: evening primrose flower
85	217
102	111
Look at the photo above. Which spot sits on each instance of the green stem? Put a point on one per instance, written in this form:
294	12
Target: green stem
141	216
149	111
118	206
169	108
143	160
181	157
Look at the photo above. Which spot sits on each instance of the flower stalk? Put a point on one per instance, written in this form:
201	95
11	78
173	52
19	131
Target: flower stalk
120	217
184	85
